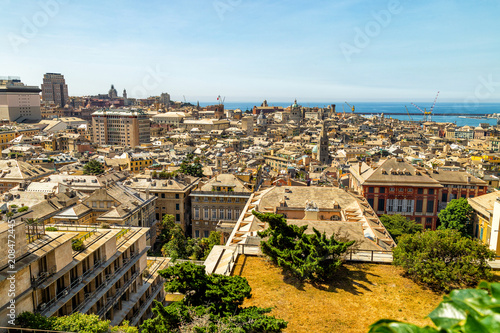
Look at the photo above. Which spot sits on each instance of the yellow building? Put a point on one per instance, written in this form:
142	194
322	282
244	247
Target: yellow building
138	164
6	137
487	219
495	159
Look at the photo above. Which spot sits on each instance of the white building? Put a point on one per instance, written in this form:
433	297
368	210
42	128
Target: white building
17	101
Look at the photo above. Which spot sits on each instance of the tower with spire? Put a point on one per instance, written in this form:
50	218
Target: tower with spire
125	99
323	155
296	113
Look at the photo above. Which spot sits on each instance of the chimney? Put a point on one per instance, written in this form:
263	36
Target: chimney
359	167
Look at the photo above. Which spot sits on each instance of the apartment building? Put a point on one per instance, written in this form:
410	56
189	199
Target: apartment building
116	205
222	198
111	276
18	101
123	127
14	172
172	196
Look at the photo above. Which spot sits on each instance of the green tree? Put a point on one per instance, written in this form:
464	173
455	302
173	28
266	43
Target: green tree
167	225
34	321
443	259
205	245
82	323
463	311
211	302
398	225
76	322
176	247
457	215
93	167
191	166
313	257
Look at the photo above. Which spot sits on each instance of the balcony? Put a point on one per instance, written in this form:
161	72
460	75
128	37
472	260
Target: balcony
49	308
111	301
43	276
110	280
144	306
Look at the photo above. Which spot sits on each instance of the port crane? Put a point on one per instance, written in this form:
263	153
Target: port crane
352	107
427	114
408	112
221	100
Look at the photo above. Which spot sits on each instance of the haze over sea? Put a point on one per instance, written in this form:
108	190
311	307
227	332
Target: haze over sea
394	107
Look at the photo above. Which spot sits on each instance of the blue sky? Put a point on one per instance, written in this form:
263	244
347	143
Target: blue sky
253	50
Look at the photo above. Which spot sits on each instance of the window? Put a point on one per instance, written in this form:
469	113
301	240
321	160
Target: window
101	204
371	190
214	214
390	205
409	206
381	204
221	213
206	213
431	191
196	212
430	206
400	206
401	189
410	190
420	191
418	219
94	204
370	202
444	197
177	195
177	217
391	189
237	213
197	233
163	195
381	190
177	206
230	213
428	223
420	205
205	233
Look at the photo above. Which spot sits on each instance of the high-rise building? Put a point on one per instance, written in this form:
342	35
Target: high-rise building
17	101
165	99
122	127
55	89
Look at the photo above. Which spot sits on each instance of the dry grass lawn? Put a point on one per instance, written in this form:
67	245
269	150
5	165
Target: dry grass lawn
362	294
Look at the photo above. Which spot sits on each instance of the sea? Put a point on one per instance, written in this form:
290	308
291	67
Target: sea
396	107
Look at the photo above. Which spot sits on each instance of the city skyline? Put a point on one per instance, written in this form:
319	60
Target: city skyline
248	51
